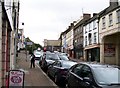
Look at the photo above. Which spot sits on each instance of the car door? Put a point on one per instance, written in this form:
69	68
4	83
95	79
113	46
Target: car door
86	76
73	78
54	68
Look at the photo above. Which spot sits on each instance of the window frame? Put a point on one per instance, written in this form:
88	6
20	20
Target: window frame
103	23
118	16
95	37
110	19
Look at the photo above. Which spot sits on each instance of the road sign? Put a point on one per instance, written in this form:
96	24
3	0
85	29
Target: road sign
29	43
16	78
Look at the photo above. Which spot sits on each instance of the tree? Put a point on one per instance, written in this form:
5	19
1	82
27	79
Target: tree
32	47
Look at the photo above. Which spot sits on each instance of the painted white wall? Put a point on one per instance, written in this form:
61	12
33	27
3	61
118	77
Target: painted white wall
90	29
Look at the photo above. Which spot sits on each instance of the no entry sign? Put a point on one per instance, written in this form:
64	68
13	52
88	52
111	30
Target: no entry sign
16	78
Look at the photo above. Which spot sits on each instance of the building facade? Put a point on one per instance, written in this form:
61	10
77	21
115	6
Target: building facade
109	34
91	39
69	40
8	23
52	45
63	42
78	36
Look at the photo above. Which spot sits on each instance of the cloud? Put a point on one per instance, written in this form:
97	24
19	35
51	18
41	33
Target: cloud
48	18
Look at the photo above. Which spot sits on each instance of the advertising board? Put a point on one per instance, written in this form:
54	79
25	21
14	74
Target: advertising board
16	78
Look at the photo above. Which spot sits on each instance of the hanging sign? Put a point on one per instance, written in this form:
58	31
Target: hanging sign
16	78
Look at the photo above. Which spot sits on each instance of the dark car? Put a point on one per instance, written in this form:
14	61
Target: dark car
47	59
58	70
89	75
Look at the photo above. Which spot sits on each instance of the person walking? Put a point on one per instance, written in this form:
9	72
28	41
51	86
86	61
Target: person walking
32	61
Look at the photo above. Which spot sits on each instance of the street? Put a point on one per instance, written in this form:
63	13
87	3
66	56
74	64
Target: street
33	76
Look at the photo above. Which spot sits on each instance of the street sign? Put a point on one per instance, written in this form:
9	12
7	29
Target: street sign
16	78
29	43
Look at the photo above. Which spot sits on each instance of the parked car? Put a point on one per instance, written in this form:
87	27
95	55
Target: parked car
38	54
47	59
63	57
58	70
89	75
64	54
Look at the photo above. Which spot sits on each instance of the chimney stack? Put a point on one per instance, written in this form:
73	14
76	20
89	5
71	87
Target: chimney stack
94	14
86	16
114	3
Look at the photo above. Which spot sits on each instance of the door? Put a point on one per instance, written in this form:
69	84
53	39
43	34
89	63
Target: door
73	76
86	76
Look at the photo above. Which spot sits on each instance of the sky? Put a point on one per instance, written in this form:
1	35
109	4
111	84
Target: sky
46	19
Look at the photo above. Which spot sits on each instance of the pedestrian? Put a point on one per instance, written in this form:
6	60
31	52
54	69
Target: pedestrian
32	61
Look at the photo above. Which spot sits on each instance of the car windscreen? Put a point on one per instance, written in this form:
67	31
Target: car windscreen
37	53
107	75
67	64
62	57
52	57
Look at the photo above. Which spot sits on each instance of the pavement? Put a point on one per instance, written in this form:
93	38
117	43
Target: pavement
33	76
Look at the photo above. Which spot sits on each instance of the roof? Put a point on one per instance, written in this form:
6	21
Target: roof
102	13
91	19
107	10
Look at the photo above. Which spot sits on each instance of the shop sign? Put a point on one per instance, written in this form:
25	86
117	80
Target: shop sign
109	50
16	78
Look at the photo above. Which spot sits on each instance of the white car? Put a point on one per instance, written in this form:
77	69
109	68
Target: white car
38	54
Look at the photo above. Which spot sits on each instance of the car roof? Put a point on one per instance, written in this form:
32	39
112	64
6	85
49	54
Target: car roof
99	65
67	61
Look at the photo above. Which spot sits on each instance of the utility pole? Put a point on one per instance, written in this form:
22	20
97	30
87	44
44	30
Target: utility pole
26	49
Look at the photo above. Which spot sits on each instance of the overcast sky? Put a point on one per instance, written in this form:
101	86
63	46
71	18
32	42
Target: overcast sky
46	19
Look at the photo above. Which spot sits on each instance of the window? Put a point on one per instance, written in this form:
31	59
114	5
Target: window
86	72
95	37
78	30
85	29
103	22
89	26
57	64
81	30
77	69
118	16
75	31
90	38
90	41
110	20
94	25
